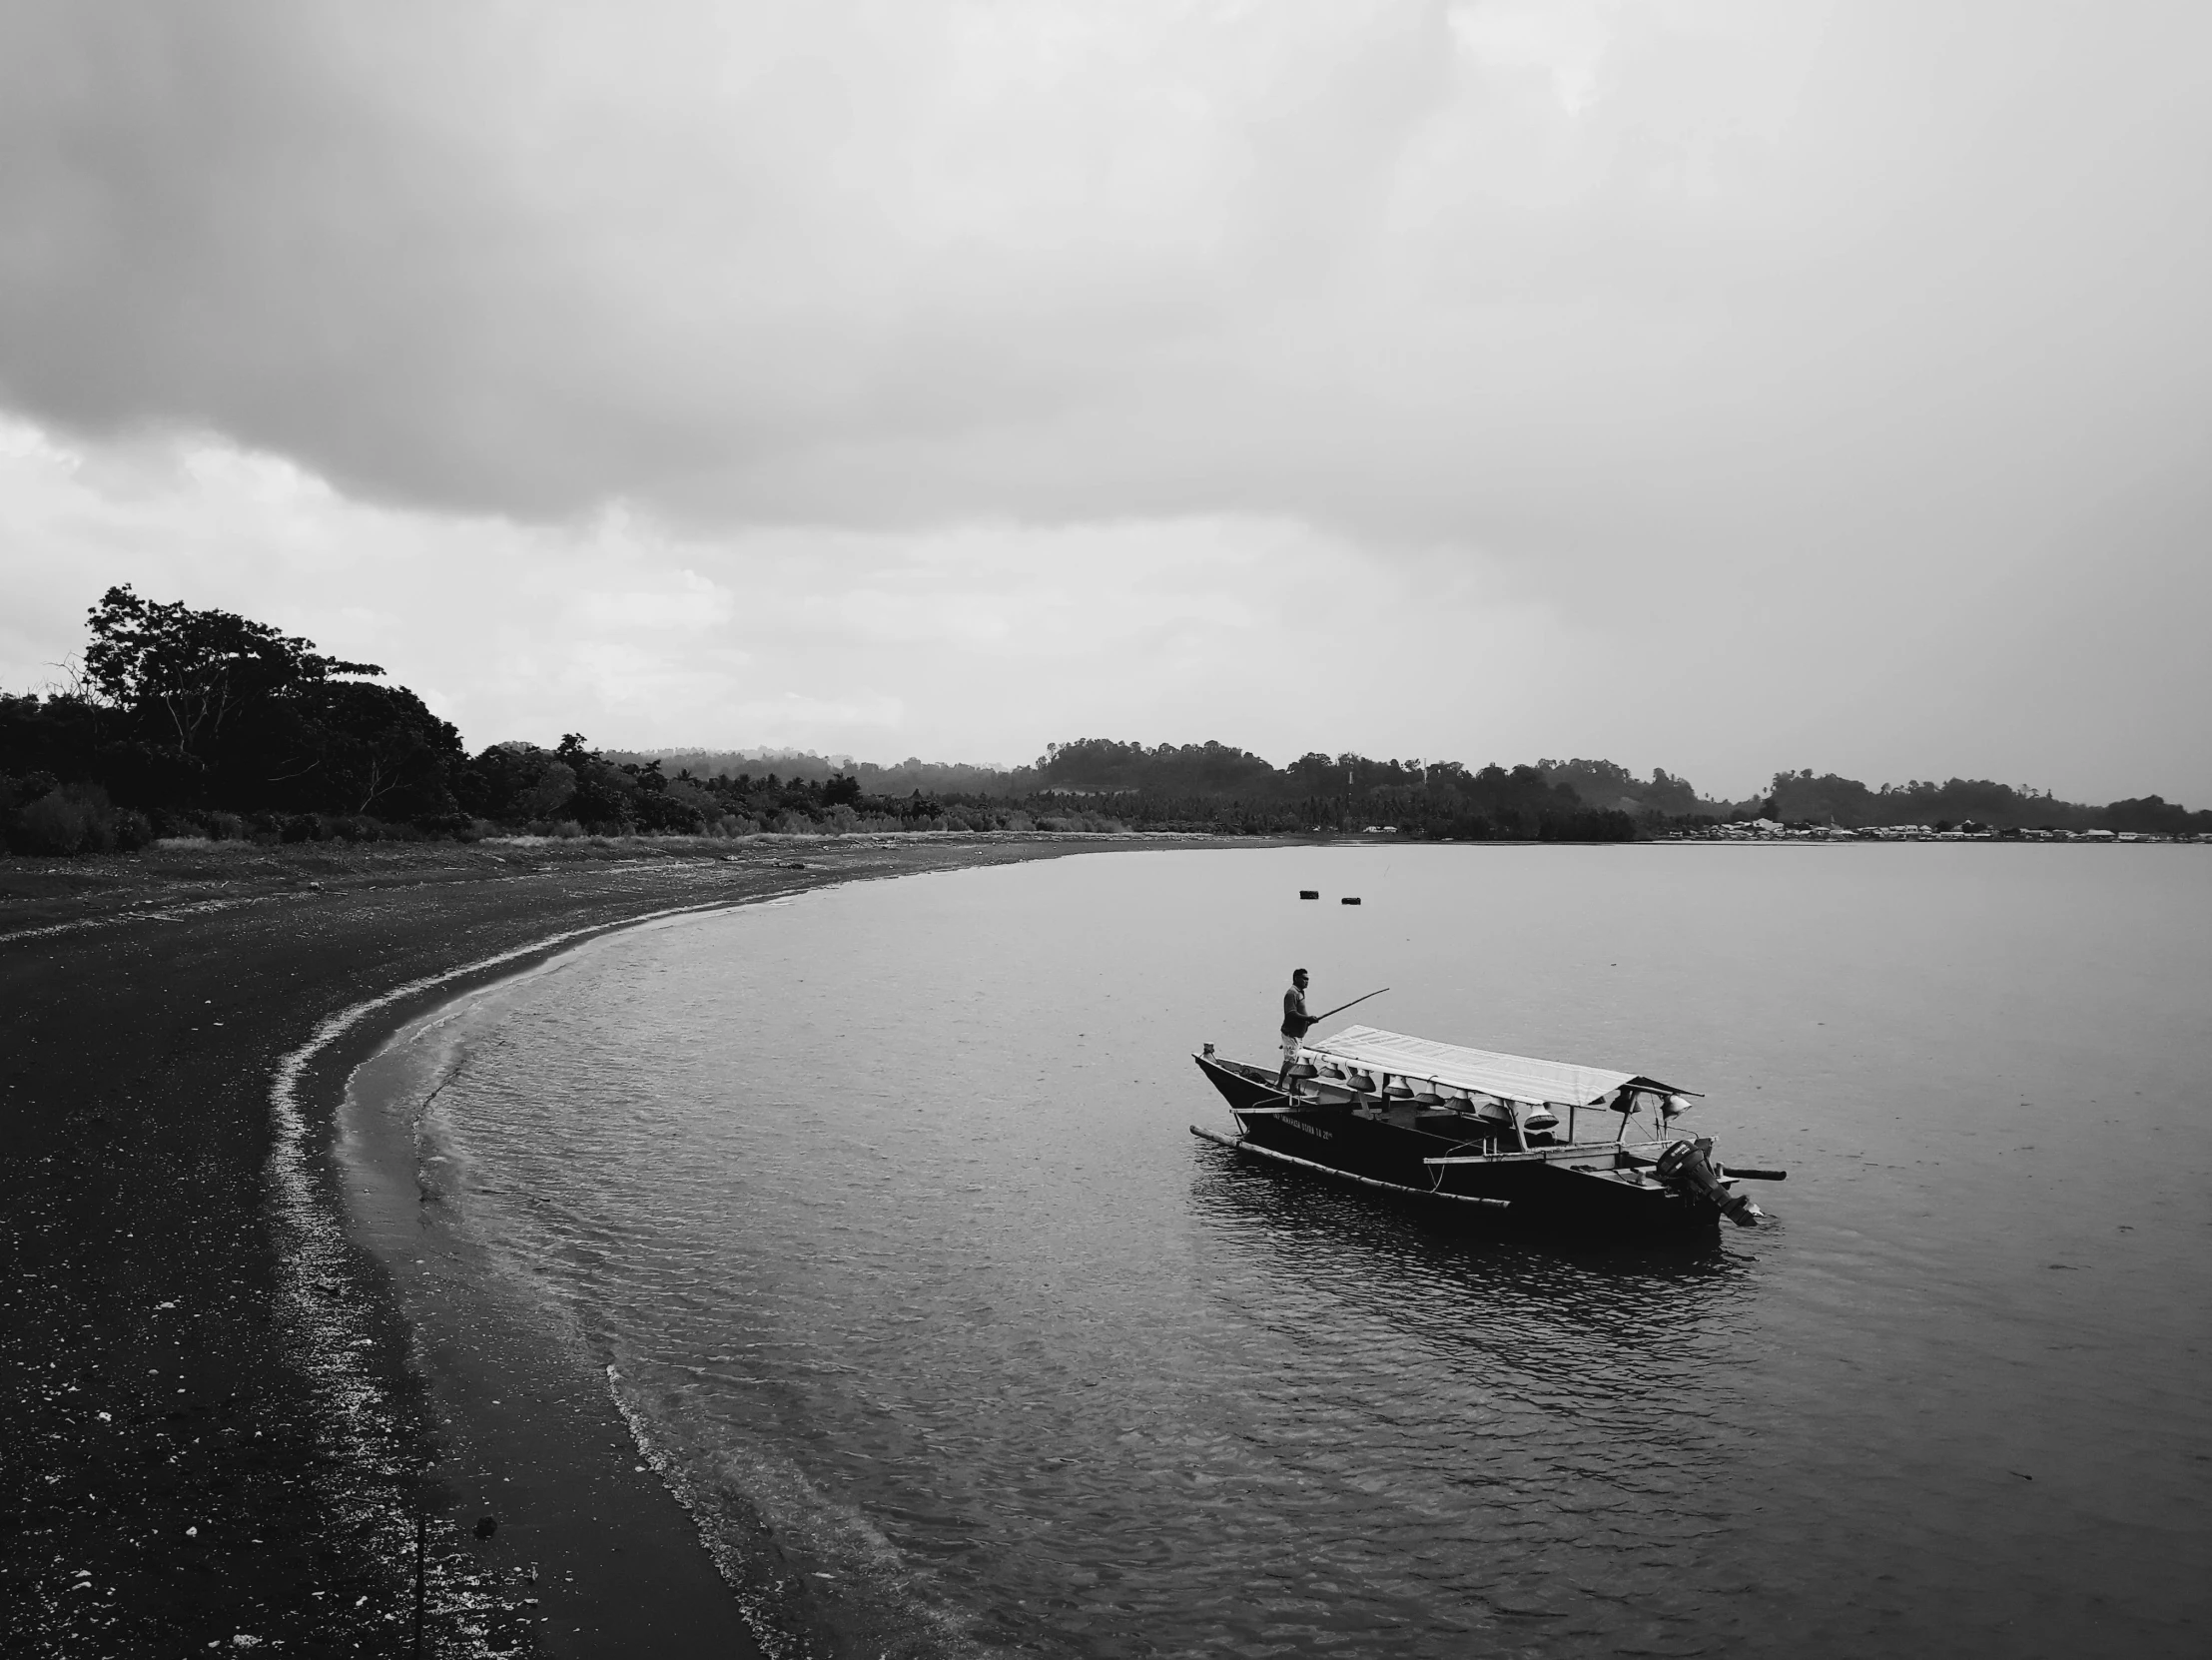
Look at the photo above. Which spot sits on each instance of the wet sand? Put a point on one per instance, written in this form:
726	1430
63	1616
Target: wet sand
220	1423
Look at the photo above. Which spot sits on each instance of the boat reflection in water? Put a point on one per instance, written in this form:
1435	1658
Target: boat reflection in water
1470	1133
1539	1445
1623	1315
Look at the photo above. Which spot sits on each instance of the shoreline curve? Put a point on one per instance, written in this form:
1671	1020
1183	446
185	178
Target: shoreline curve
222	1423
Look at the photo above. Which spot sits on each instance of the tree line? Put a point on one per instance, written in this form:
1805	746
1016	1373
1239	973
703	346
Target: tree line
203	723
1219	786
1801	798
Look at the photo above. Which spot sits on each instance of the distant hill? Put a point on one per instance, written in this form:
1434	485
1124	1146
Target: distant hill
1213	781
896	778
719	763
190	724
1608	784
1827	799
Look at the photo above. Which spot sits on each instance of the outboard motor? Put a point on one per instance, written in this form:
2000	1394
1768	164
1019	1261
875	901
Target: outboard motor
1685	1168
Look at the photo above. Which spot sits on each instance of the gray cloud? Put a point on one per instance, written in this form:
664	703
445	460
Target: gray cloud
1864	339
1331	261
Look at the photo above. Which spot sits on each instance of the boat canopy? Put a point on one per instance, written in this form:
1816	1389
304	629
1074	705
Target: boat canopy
1509	1077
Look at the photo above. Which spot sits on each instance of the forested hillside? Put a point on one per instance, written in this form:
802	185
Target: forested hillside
184	722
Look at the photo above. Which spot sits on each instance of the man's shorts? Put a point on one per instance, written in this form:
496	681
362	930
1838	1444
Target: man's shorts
1291	1045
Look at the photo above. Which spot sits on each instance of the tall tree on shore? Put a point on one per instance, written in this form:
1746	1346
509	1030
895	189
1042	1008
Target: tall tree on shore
374	749
189	677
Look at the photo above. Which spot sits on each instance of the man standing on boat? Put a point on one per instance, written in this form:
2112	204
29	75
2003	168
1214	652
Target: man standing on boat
1296	1023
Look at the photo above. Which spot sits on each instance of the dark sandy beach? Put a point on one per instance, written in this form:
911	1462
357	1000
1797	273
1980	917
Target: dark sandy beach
221	1430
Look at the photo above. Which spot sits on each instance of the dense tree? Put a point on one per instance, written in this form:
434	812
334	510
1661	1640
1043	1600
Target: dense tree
204	722
1102	766
1802	798
2153	815
1610	785
375	749
513	781
187	679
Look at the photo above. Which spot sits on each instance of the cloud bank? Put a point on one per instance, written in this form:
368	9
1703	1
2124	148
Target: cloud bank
1720	385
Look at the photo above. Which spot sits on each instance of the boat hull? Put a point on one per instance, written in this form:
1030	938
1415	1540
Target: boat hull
1591	1188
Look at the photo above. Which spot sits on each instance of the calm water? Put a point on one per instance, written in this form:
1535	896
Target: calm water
882	1203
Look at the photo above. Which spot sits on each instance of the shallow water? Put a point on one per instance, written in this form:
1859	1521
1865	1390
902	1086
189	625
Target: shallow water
882	1205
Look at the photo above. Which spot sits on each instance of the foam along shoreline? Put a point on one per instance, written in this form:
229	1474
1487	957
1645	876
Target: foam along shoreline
219	1424
531	1427
588	1551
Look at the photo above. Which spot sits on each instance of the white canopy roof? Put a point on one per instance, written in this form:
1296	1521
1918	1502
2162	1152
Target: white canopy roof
1510	1077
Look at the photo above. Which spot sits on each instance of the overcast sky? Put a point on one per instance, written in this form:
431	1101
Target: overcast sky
1718	387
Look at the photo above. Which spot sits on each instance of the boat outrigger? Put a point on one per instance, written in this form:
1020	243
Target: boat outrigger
1469	1131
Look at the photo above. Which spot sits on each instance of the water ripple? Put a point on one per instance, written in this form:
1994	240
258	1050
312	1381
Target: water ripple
881	1208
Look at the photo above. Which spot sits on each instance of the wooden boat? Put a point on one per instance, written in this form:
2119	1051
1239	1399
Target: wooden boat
1505	1136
